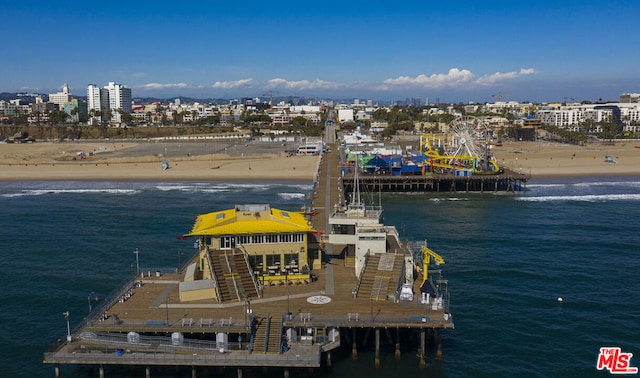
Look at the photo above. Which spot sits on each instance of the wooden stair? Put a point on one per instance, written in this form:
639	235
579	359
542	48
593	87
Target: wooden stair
380	277
267	336
235	280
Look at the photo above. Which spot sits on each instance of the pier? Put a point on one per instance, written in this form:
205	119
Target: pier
287	324
506	181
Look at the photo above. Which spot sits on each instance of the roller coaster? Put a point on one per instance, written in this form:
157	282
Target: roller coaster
462	150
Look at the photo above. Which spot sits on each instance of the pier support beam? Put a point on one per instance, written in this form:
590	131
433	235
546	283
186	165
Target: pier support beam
354	346
286	372
377	353
101	371
56	371
439	347
147	372
329	359
239	373
397	354
423	364
193	372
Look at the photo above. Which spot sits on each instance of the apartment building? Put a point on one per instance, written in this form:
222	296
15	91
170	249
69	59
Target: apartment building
108	101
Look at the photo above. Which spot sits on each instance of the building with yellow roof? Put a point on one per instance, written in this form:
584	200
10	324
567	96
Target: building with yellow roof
268	245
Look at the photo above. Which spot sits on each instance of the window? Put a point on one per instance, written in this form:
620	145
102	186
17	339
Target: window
244	239
227	242
273	238
256	262
291	259
285	238
273	260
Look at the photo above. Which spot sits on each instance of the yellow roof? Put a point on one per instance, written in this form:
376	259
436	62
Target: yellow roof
250	219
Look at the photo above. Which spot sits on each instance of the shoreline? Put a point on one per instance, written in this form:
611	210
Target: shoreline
255	161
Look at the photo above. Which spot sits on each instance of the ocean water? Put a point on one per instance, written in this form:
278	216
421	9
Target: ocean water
508	258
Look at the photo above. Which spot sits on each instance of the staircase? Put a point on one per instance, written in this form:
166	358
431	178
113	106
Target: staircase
381	276
247	284
235	280
267	337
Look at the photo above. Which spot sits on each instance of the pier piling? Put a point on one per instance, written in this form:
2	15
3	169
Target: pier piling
423	364
377	353
397	354
439	347
354	346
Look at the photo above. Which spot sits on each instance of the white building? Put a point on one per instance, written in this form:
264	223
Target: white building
119	99
345	115
570	116
109	100
98	101
630	97
60	98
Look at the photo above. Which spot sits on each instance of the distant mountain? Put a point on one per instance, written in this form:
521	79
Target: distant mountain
25	97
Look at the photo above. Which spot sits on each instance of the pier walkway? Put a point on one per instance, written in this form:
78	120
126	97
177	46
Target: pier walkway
145	323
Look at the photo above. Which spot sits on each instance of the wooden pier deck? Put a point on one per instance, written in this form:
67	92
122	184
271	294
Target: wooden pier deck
325	311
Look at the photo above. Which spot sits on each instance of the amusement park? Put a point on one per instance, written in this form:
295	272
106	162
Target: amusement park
463	150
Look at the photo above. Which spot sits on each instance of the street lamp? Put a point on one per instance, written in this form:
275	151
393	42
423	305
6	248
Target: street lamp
288	307
247	310
137	253
179	259
66	317
89	300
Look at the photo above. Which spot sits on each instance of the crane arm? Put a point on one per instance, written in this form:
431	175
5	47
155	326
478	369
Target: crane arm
427	254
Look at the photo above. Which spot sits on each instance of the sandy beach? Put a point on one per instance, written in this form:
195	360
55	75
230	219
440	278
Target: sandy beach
143	161
546	159
116	160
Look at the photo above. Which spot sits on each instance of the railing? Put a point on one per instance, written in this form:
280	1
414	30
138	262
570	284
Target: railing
361	274
427	319
280	343
266	333
254	279
233	275
208	358
213	275
147	325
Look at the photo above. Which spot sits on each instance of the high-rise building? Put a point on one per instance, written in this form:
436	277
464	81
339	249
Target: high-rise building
61	97
109	101
98	103
119	99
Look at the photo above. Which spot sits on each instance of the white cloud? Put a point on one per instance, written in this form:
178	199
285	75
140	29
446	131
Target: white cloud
453	78
498	77
233	84
302	84
156	86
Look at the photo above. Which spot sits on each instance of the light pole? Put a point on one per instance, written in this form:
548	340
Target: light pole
137	253
288	307
66	317
167	308
89	300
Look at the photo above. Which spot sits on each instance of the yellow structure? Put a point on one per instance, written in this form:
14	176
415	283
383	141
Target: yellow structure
427	254
270	245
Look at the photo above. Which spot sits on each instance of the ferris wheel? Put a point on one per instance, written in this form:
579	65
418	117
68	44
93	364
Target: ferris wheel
469	136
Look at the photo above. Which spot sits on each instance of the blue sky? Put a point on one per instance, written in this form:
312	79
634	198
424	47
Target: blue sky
454	51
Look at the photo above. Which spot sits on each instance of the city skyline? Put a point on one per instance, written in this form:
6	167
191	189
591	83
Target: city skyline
467	51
